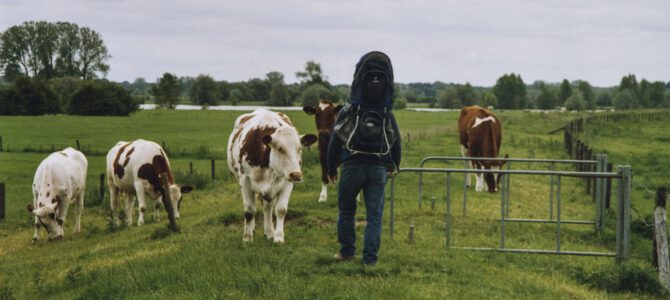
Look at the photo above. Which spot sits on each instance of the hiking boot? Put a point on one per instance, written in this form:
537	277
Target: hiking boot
338	257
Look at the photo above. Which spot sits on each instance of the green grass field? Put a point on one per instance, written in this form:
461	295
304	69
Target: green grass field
207	258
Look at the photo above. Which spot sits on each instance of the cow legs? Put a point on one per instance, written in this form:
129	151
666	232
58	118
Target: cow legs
37	225
157	208
268	227
281	208
114	203
324	192
249	211
466	165
480	180
130	202
80	209
141	201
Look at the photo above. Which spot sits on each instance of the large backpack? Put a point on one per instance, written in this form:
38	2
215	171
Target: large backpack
365	126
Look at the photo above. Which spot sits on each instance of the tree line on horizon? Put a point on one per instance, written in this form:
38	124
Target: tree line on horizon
53	68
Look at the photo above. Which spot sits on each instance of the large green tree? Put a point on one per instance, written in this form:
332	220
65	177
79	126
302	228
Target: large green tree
312	74
587	93
510	91
167	91
548	97
47	50
564	91
204	90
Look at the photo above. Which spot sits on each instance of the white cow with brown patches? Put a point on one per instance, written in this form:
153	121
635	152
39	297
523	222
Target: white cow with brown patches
60	180
134	168
264	153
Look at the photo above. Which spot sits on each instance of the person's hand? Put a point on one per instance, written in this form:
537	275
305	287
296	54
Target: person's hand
390	174
332	178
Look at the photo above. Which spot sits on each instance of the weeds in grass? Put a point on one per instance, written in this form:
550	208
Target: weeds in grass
6	293
622	277
162	233
72	275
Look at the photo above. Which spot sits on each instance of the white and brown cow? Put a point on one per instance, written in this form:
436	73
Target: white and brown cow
324	114
264	153
133	168
60	180
481	135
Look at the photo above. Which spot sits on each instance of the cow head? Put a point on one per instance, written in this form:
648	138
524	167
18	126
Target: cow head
48	215
286	151
324	114
176	194
493	179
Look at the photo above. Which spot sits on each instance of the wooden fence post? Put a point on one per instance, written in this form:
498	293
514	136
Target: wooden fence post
661	260
78	148
0	143
167	202
2	200
190	168
213	169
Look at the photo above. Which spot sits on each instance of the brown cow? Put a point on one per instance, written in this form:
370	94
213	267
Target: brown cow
481	134
324	114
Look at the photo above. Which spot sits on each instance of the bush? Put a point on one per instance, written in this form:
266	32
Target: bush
400	103
29	97
314	93
101	98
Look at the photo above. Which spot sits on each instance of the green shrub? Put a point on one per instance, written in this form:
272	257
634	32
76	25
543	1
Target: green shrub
101	98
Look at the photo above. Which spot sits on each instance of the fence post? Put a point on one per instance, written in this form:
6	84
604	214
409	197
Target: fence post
623	213
167	201
78	148
0	143
102	187
213	169
190	168
608	186
660	251
2	200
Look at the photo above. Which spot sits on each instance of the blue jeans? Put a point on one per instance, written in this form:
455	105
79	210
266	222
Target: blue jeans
371	179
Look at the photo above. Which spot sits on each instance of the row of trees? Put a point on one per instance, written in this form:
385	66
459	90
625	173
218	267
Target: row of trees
170	90
48	50
36	96
510	92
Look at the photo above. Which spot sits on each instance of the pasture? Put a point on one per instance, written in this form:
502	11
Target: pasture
207	258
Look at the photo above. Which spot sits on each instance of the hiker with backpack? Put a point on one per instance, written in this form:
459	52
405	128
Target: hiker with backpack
365	141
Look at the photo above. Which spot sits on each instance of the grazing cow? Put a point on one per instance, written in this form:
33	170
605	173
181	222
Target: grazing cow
264	153
133	168
481	135
324	114
60	180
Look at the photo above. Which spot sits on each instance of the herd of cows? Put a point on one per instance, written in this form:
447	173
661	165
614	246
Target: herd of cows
264	152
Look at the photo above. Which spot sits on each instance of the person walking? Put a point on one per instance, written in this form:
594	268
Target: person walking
365	141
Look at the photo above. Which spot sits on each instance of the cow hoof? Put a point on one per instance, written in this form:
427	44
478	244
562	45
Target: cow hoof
322	199
269	235
35	240
247	238
278	240
57	238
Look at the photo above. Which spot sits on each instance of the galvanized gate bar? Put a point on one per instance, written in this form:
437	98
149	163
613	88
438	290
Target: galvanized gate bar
454	158
623	220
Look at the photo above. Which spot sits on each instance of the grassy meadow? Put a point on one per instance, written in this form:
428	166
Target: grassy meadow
207	258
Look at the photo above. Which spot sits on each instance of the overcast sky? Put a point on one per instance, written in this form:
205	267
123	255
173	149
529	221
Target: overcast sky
438	40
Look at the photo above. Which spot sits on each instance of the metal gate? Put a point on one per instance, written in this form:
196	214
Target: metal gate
623	177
